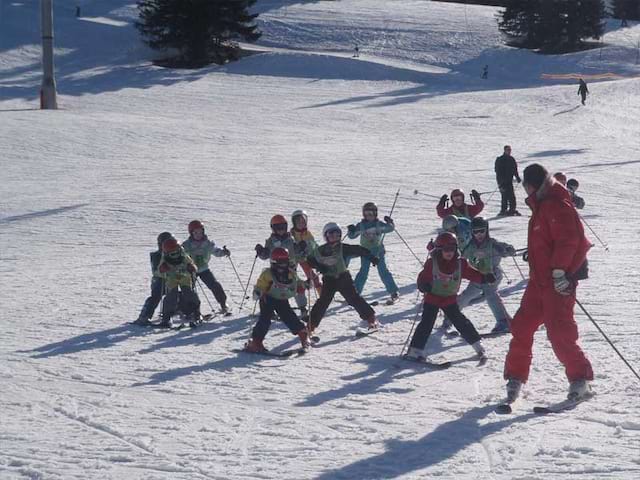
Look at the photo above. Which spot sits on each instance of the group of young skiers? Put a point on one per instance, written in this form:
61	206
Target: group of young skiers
463	249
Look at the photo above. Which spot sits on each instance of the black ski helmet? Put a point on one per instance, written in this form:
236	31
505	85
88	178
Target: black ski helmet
162	237
573	184
479	223
370	207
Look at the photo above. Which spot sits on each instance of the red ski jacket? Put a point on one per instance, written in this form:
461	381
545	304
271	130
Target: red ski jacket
556	237
467	211
426	276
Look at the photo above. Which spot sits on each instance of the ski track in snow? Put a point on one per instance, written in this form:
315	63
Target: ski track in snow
136	150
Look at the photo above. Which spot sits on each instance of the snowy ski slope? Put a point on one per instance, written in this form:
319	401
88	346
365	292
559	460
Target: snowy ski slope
135	150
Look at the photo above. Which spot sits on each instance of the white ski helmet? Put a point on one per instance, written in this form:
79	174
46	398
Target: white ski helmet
298	213
330	227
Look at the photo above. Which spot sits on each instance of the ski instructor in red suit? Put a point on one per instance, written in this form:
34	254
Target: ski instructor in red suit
557	250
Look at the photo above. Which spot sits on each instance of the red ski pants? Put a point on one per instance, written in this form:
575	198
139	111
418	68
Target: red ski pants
545	306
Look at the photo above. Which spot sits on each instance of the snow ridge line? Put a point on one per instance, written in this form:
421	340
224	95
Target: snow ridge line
129	441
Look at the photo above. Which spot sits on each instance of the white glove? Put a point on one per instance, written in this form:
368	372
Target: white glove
560	282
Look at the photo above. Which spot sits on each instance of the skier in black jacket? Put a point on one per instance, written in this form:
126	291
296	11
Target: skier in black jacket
506	168
583	90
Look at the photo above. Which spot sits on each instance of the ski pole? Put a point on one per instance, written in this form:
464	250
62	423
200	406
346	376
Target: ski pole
593	231
506	276
204	294
416	192
607	339
407	245
236	272
253	312
518	267
244	295
415	319
391	213
492	194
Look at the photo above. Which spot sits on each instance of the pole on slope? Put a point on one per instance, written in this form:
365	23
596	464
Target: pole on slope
48	97
607	339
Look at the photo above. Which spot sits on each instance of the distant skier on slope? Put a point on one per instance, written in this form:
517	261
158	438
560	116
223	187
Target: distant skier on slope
572	187
459	208
329	259
371	231
440	282
557	249
157	285
506	168
484	254
275	286
583	91
200	248
281	238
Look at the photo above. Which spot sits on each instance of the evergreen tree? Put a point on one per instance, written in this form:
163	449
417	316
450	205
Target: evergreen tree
552	25
200	30
626	9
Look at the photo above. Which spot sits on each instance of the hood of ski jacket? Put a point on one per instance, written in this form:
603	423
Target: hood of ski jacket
556	237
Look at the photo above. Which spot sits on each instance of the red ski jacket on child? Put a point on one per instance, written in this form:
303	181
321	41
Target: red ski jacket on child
452	271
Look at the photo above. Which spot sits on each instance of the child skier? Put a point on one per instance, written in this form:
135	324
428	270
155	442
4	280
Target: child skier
177	271
281	238
459	226
329	259
200	249
459	207
304	245
572	187
440	282
484	254
371	232
157	285
275	286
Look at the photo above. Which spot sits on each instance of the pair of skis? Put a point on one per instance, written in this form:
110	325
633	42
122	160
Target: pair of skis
558	407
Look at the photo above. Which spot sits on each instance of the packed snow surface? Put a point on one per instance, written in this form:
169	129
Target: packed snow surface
136	149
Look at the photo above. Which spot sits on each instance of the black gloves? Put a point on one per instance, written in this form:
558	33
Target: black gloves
388	219
374	260
259	249
443	199
226	252
424	287
351	229
475	195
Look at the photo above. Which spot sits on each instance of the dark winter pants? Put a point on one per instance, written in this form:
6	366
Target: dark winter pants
153	301
284	311
183	299
429	314
344	285
210	281
508	197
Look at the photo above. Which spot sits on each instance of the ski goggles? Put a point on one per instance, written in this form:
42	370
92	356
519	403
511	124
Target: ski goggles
279	226
479	230
335	231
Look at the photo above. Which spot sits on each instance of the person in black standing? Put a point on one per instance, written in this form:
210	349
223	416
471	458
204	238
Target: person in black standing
506	168
583	90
